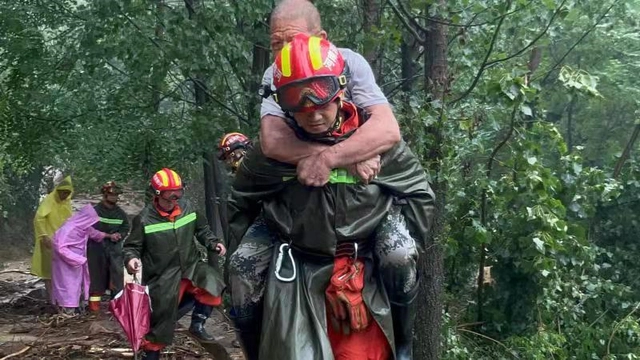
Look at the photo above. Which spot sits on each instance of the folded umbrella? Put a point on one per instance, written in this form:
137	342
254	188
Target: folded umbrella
132	308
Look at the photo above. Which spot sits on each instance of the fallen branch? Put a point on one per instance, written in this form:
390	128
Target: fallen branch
16	271
185	350
24	350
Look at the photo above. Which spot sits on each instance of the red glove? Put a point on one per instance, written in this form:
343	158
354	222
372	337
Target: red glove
344	295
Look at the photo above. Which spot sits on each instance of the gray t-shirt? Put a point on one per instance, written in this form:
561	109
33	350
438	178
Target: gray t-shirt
361	88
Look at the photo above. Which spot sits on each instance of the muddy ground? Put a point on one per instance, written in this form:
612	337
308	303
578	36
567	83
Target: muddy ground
30	329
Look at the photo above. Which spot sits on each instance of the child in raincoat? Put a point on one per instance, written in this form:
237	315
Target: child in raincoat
53	211
69	268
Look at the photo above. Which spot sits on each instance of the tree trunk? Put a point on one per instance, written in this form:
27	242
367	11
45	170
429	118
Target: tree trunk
627	151
208	157
570	108
370	23
261	61
431	265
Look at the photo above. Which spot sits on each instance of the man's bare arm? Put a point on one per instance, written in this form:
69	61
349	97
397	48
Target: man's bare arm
374	137
279	142
379	134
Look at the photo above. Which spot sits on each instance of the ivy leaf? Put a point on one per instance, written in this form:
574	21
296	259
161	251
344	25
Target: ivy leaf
539	244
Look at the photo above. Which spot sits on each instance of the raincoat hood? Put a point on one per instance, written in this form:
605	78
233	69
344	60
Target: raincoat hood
86	217
67	185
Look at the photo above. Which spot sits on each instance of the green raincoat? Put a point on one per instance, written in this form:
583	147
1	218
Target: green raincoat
51	214
314	221
168	254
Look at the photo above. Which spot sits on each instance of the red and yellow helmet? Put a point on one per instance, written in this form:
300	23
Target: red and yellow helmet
110	187
230	142
166	180
309	72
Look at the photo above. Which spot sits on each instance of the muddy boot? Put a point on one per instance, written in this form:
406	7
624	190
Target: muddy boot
248	324
199	316
151	355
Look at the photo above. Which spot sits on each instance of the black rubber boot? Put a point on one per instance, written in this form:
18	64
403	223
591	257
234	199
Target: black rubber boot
151	355
248	324
199	316
186	304
403	320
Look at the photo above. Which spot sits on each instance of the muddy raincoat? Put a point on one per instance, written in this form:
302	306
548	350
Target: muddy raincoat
51	214
168	253
315	221
70	271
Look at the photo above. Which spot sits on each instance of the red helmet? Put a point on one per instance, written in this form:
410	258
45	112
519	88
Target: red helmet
165	180
308	72
110	187
230	142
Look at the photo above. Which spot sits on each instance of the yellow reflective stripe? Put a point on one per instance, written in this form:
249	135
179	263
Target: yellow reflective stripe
150	229
176	178
164	178
111	221
315	53
95	298
185	220
285	60
341	176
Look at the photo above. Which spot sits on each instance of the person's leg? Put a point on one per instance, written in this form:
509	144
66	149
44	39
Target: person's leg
116	270
203	307
48	289
98	273
248	267
397	257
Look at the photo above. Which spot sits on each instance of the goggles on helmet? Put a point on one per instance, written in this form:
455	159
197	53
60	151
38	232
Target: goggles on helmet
308	94
172	195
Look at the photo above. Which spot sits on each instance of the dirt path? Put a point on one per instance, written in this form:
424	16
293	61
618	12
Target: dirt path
30	329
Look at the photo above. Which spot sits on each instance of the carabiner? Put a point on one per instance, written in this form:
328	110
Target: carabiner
279	264
355	251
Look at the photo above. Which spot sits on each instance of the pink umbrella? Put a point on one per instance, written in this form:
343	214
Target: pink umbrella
132	308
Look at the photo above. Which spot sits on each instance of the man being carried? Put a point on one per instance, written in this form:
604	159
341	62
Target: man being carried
105	258
315	161
329	221
161	243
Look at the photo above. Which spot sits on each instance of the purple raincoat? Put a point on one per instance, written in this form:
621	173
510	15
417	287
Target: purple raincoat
69	268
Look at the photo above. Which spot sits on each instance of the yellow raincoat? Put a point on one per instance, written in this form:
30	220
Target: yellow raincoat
51	214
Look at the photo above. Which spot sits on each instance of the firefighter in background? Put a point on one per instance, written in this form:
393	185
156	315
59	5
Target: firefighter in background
232	148
161	244
106	268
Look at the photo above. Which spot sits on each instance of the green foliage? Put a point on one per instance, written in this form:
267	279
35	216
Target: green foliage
107	90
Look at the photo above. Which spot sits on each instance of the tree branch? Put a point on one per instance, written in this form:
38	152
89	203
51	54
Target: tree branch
484	62
533	42
627	151
471	24
578	42
408	26
483	208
